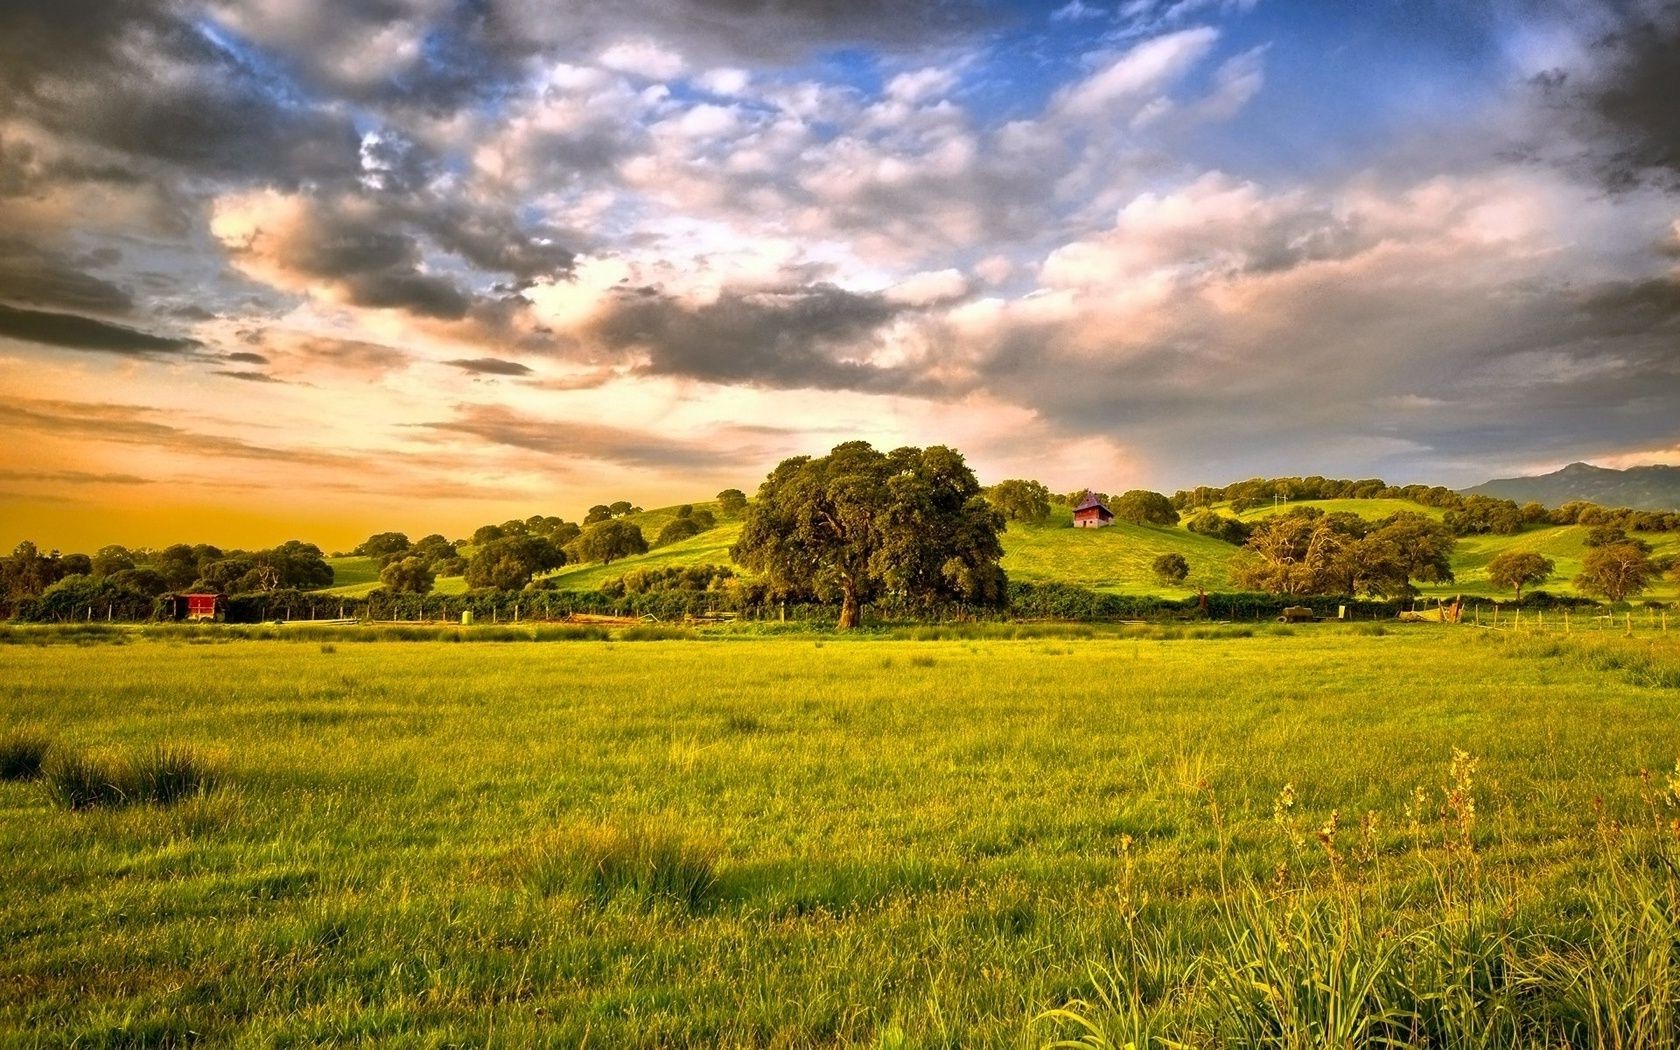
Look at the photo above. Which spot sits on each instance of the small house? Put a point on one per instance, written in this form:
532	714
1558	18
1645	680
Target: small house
199	606
1089	512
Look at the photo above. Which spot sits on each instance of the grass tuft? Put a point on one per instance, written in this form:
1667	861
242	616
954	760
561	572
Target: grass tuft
22	753
646	863
162	776
78	780
166	775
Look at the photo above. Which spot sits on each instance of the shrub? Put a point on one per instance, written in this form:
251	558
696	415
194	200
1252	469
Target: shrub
22	752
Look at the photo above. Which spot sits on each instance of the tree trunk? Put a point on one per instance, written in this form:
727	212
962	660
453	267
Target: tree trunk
851	615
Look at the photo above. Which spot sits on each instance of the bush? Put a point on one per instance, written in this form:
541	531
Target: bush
22	753
1171	568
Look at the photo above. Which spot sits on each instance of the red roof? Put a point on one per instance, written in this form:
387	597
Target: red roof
1090	502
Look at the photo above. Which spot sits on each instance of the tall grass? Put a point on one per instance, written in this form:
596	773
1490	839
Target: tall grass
22	752
1324	956
647	863
160	776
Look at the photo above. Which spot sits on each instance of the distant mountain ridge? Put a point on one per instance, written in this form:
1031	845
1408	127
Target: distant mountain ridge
1641	488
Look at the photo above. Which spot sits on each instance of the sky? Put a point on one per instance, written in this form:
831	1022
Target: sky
317	268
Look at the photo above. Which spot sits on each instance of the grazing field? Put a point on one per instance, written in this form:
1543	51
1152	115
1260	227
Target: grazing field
1564	544
356	576
1117	559
1221	837
708	548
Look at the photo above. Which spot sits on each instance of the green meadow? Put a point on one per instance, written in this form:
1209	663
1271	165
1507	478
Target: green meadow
1327	836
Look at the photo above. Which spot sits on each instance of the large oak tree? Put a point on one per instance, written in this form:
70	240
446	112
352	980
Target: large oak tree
859	526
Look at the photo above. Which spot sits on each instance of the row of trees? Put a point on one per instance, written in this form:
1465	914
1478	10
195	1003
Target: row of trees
508	556
124	572
1019	499
1465	515
1308	552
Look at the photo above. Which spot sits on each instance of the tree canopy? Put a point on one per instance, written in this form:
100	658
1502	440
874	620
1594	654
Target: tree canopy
1306	551
607	541
1616	570
1018	499
509	563
858	525
1519	569
1142	507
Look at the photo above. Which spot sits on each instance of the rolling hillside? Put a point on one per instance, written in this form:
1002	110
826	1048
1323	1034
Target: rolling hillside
1117	559
1365	508
1564	544
355	576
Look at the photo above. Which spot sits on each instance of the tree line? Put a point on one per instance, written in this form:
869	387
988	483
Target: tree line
911	529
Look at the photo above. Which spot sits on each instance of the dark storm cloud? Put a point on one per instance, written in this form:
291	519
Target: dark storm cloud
246	358
1640	101
801	337
86	333
497	425
490	366
1622	106
38	277
146	80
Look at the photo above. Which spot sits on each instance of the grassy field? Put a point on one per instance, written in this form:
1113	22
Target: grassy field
709	548
1218	837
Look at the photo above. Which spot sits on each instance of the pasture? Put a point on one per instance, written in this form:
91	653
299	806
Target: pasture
1118	559
1236	836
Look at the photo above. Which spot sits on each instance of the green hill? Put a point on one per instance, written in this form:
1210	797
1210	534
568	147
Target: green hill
1365	508
1117	559
708	548
1564	544
355	576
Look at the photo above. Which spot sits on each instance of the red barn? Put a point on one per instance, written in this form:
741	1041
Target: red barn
1090	513
196	606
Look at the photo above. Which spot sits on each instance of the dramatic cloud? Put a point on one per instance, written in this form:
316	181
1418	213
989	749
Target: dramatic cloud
821	336
86	333
1175	240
